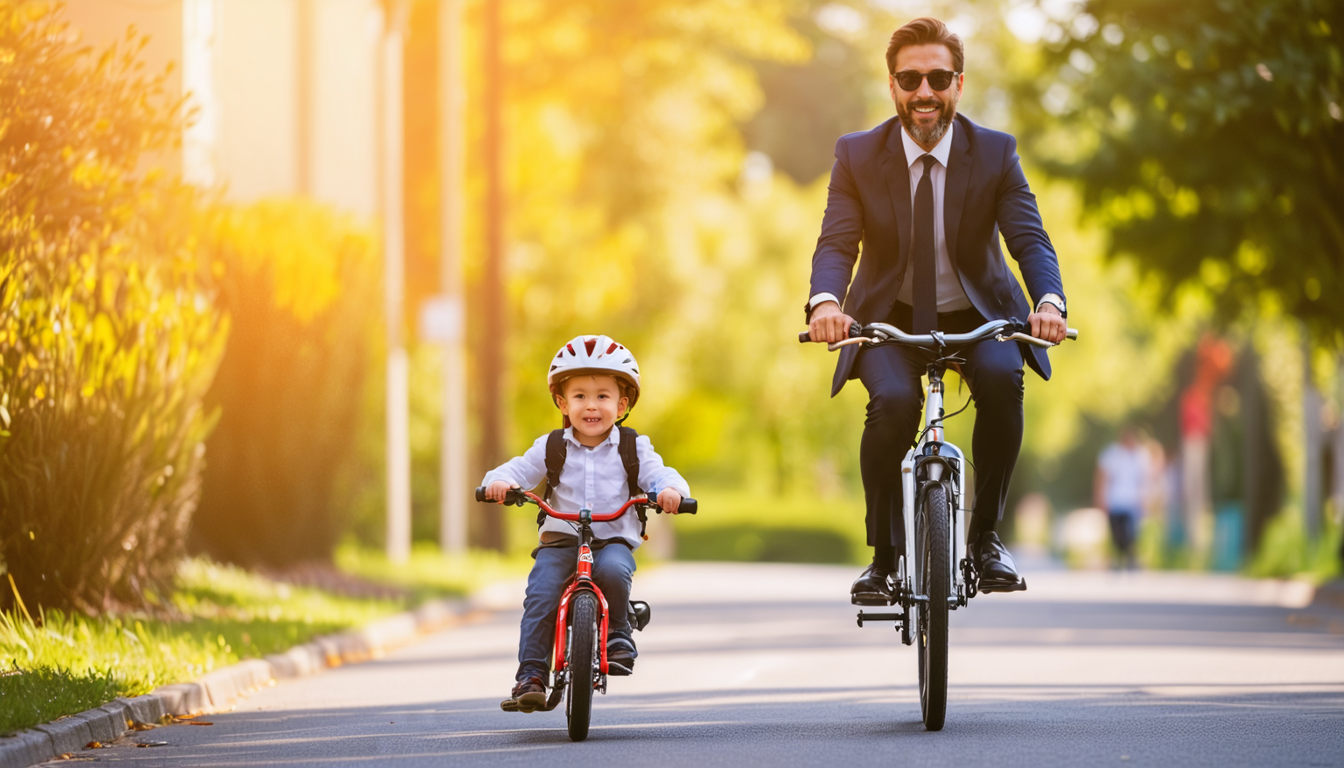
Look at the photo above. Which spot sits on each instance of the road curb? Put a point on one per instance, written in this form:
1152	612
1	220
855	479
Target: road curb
221	689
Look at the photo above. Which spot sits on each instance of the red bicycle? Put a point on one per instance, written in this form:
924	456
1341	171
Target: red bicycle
579	653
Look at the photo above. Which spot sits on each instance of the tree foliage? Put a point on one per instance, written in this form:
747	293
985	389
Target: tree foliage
106	332
299	284
1207	138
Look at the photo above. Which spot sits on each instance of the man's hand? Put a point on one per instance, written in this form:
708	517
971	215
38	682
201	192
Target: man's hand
497	490
669	500
1048	324
829	323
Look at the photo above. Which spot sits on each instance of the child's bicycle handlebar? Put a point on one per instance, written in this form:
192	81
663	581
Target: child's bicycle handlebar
518	497
999	330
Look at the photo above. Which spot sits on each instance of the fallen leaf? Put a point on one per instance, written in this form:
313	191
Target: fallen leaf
143	726
151	744
95	745
199	722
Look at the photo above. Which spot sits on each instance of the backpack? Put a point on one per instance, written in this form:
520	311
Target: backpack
556	450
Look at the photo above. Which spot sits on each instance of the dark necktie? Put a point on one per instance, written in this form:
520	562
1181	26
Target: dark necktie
925	289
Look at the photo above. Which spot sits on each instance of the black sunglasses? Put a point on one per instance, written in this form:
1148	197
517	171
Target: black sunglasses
939	79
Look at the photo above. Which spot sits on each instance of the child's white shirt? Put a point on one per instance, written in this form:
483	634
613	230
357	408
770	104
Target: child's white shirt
593	478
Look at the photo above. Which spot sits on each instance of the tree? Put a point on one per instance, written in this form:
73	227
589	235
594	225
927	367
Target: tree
1207	138
107	338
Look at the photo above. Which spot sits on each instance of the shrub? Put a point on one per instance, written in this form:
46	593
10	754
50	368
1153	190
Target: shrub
300	285
107	336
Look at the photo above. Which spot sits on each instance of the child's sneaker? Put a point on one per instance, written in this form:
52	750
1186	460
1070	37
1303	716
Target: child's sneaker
528	695
620	656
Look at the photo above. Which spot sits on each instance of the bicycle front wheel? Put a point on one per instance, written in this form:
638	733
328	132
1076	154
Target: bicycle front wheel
932	536
583	664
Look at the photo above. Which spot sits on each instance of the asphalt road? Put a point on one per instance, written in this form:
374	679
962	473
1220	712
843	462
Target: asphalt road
747	665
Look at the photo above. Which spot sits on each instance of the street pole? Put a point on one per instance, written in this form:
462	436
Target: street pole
1313	476
303	116
452	190
394	277
492	342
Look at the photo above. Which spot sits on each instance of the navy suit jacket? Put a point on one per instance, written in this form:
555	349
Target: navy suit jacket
985	193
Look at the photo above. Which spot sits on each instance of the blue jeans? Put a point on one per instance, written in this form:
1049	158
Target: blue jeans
613	569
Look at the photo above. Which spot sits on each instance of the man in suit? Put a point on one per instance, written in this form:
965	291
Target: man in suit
927	194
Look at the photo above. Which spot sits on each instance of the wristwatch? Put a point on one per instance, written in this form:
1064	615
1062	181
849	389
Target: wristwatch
1054	300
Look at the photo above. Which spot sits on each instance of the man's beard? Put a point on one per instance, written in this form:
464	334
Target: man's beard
934	133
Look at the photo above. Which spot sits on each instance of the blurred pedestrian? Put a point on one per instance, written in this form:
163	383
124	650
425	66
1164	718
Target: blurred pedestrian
1121	487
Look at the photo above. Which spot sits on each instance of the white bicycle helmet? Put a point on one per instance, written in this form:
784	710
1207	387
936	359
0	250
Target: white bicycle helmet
594	355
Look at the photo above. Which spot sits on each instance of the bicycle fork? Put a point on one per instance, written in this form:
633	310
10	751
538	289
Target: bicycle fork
583	581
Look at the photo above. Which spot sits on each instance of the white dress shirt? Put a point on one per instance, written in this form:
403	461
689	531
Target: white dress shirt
951	296
593	478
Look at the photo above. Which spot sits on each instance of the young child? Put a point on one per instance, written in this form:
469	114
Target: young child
594	381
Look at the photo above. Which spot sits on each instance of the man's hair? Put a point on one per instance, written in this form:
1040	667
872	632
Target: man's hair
922	32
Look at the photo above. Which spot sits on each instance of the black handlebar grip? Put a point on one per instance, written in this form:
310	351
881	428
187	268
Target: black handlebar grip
511	496
687	507
805	337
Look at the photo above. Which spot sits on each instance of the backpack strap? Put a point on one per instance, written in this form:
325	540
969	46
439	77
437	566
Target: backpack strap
556	449
629	452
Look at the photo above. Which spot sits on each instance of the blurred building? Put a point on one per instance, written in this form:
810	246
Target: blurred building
285	91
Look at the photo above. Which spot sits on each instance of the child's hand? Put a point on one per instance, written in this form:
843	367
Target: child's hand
669	500
497	490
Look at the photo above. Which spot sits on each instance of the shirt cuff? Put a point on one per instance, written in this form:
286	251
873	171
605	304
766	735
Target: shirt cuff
819	298
1055	299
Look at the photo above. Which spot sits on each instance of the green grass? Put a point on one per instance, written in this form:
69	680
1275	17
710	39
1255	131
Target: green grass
57	664
1286	552
32	696
800	528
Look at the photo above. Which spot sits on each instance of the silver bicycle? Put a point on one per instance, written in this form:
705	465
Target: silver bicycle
933	480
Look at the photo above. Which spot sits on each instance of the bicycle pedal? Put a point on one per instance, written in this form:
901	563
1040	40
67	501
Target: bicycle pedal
616	669
871	598
1003	586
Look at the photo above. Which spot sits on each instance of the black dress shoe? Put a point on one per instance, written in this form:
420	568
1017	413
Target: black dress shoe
873	587
998	572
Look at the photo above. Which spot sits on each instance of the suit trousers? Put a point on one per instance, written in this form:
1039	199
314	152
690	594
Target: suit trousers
892	374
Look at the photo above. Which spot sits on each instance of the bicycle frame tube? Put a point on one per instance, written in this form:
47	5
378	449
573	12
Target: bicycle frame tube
583	581
908	516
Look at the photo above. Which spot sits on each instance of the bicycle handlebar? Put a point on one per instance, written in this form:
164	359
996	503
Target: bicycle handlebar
882	333
519	497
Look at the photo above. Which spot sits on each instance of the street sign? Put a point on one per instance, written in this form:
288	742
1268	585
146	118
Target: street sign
440	319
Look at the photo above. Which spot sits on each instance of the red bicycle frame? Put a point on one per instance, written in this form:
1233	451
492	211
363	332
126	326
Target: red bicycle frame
583	580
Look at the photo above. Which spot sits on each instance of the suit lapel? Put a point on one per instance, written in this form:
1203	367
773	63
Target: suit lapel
896	170
954	194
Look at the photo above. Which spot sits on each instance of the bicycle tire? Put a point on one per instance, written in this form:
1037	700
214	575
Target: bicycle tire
932	534
582	664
